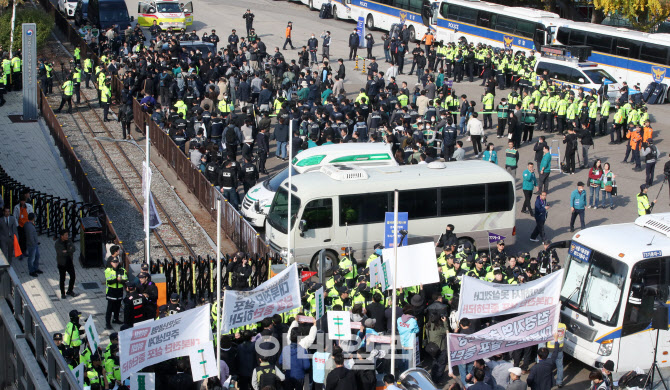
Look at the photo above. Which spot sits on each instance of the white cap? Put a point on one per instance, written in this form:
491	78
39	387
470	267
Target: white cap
516	371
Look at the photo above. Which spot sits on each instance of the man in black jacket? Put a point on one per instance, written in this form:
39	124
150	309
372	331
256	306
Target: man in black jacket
353	44
341	378
64	251
570	141
541	376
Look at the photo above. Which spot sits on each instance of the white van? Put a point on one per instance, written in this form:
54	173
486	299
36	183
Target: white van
569	71
256	202
345	206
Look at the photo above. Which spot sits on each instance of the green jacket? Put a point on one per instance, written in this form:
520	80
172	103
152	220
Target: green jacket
545	164
529	180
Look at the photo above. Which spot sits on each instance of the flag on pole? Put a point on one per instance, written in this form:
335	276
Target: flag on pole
154	219
495	237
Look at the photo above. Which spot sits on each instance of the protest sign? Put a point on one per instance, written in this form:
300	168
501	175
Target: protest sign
519	332
277	295
203	362
143	381
319	301
481	299
403	221
339	325
163	339
416	264
79	374
92	333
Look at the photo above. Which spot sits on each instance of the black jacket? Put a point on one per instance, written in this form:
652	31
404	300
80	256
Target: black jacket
341	379
541	376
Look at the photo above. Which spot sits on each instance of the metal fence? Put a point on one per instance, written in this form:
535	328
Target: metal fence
73	165
30	359
236	228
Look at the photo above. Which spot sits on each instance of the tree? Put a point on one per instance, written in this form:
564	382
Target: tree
642	14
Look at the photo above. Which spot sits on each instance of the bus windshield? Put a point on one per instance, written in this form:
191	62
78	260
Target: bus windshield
598	76
168	7
279	210
594	287
275	181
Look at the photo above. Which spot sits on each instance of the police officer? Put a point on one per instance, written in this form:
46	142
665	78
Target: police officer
72	335
348	268
478	271
88	69
76	80
150	292
546	256
499	254
228	183
105	98
116	277
16	71
7	71
643	205
58	340
68	90
133	305
112	367
174	306
95	376
248	174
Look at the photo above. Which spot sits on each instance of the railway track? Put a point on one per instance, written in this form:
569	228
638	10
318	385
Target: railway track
168	240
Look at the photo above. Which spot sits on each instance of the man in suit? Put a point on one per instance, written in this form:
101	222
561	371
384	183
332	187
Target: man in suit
8	229
541	376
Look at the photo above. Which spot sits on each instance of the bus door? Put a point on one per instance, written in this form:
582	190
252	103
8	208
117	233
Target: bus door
435	12
427	14
540	38
646	293
145	9
315	224
188	13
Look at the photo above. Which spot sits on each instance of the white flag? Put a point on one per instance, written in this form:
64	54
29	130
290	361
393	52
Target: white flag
154	219
92	334
203	362
79	374
339	325
318	299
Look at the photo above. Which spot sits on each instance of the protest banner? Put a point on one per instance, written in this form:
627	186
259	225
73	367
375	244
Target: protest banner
277	295
416	264
319	301
92	333
79	374
481	299
519	332
163	339
339	325
203	362
143	381
380	273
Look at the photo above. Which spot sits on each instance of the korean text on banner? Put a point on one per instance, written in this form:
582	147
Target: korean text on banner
92	333
519	332
417	264
481	299
156	341
277	295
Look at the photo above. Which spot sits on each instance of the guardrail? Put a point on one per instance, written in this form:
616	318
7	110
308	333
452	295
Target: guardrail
30	359
235	227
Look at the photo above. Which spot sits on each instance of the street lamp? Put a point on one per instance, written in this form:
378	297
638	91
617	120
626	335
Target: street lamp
147	161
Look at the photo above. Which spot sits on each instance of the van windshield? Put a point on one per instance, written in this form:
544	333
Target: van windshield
113	12
168	7
275	181
598	76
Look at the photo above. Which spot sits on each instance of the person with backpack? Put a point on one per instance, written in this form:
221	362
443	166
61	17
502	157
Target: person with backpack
295	358
650	154
266	375
340	378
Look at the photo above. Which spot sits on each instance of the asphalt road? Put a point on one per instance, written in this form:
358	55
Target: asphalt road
270	22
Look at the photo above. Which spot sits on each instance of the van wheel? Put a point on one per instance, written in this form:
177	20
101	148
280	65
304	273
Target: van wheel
311	5
332	260
370	23
412	34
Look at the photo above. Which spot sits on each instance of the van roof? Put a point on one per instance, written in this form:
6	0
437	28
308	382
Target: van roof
389	178
633	239
332	152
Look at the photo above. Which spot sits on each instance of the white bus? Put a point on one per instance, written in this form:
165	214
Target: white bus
256	202
631	56
345	205
614	275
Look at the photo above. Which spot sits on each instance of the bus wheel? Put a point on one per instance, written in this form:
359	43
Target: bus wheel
311	5
412	34
331	262
335	16
370	22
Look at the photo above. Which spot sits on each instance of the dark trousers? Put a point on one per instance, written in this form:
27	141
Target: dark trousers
575	213
412	69
447	151
525	354
617	131
292	384
65	99
603	125
288	42
400	61
369	52
17	79
488	121
22	237
476	143
636	158
592	126
543	181
527	133
105	110
502	123
87	78
77	93
113	307
471	71
125	127
560	123
262	156
353	50
541	120
570	161
649	171
539	230
69	268
527	194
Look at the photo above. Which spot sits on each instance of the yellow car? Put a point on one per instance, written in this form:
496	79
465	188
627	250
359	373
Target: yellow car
166	13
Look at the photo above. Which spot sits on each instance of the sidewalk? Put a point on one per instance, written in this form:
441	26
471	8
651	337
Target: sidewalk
43	170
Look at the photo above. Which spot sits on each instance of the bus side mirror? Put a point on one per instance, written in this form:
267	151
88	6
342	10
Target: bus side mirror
302	225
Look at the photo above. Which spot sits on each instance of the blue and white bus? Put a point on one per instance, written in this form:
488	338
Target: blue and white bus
631	56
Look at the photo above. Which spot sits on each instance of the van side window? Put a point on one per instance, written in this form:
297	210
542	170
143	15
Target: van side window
459	200
561	72
319	213
362	209
575	75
